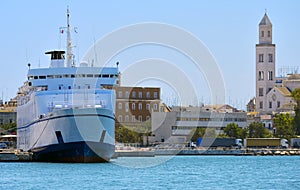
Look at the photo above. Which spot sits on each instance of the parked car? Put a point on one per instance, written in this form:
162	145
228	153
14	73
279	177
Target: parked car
3	145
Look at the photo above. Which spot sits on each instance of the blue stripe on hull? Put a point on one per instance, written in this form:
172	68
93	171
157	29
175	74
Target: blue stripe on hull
80	152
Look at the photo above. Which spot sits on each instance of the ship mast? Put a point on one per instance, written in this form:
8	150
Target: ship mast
70	61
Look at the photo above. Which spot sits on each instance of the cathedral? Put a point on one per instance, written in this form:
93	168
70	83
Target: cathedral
273	93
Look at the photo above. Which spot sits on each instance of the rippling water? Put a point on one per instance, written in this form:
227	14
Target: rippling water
181	172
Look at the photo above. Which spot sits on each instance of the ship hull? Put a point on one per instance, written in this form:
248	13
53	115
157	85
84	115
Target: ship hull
71	135
75	152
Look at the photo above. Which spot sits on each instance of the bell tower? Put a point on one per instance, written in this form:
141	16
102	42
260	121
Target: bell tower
265	64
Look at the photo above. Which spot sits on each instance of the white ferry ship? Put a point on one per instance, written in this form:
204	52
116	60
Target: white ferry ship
65	113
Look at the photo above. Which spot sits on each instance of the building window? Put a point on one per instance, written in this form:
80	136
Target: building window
140	106
260	92
261	58
140	118
120	118
260	75
126	118
155	106
270	104
270	58
140	95
120	94
155	95
126	106
148	95
269	33
133	106
148	118
278	104
120	106
261	105
133	118
147	106
133	94
270	75
262	33
127	94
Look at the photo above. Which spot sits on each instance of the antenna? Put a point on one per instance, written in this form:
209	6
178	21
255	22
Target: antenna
70	56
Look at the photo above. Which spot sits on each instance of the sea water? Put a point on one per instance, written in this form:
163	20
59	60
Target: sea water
179	172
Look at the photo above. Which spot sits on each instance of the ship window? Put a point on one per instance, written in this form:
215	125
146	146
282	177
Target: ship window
59	87
89	75
105	76
72	76
35	77
69	87
30	77
66	76
50	76
42	77
58	76
97	76
111	76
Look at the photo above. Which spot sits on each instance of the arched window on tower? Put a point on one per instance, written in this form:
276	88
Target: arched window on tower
260	75
270	75
269	33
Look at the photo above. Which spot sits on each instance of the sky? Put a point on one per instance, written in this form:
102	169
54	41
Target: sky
229	30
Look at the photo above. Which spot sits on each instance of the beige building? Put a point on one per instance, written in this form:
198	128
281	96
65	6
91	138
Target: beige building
273	94
265	64
177	125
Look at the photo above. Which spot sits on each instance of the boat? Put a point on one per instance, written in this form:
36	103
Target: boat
66	112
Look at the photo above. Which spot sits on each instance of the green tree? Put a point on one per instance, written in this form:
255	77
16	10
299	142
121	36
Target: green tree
202	132
284	126
296	95
8	128
257	130
233	130
126	135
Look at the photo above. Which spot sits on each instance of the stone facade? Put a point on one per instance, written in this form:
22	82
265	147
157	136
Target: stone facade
134	105
265	64
273	94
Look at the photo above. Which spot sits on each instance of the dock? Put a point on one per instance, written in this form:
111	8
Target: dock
11	155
